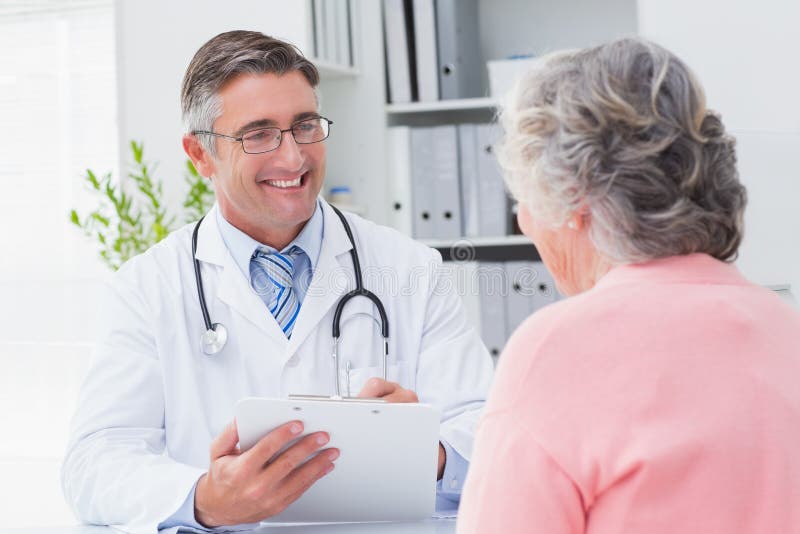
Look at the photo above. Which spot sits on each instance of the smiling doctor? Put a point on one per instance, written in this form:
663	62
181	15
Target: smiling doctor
153	445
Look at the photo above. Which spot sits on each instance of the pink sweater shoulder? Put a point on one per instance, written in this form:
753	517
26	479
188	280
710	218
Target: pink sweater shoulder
669	384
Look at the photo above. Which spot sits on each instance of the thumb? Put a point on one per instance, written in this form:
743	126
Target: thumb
225	443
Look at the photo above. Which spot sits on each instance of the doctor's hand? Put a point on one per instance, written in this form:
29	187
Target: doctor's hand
378	388
246	487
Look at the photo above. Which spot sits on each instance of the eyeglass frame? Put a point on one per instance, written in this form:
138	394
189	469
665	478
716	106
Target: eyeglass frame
240	139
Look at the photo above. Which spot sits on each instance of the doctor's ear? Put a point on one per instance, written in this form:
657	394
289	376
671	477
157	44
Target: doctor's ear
200	157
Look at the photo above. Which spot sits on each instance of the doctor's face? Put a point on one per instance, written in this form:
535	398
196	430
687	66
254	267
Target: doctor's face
271	195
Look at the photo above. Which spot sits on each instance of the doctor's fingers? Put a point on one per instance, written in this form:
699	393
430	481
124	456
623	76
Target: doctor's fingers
401	395
255	459
298	456
377	388
305	476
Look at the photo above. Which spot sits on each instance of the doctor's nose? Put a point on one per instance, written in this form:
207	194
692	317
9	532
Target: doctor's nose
289	153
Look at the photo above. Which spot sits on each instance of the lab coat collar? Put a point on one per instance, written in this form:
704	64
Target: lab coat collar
210	246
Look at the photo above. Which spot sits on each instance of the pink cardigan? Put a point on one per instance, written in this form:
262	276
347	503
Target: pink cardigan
664	400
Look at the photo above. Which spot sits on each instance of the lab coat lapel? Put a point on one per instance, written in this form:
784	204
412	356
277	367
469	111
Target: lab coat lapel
333	277
234	289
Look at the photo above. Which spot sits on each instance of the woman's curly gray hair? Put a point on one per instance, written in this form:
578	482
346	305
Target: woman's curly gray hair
621	133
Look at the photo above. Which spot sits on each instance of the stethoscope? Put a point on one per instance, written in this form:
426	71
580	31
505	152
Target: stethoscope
216	335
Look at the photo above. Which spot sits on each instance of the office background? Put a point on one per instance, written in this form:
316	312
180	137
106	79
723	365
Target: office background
80	78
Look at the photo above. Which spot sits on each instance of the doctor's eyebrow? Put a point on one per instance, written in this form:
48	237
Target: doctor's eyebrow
270	123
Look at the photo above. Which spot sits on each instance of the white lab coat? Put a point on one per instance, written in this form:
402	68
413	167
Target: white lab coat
153	401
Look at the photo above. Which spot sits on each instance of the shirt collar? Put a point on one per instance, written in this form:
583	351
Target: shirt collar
242	246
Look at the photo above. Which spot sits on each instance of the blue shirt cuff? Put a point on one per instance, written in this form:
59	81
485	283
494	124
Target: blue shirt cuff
184	518
448	489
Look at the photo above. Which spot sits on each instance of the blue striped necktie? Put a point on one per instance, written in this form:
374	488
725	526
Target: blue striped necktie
271	278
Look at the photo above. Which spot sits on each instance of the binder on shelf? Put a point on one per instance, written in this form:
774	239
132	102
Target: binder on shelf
443	176
492	284
398	62
331	29
320	50
343	48
522	279
423	162
468	170
425	49
493	205
331	22
460	65
400	201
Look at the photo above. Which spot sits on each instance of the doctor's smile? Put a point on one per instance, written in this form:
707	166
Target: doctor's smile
284	183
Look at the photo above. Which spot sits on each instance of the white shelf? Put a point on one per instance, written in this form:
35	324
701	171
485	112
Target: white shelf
332	71
442	105
505	240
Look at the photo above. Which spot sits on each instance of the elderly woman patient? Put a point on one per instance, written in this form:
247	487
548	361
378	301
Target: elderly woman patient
663	396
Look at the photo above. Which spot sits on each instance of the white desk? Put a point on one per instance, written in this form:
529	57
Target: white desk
431	526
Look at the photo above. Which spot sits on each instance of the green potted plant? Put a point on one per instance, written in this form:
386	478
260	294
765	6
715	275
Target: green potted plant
129	220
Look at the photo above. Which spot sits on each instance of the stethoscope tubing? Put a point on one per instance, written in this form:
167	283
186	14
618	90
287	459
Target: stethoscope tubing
215	336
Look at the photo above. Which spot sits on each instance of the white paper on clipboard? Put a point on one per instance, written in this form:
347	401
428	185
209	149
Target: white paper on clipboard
387	467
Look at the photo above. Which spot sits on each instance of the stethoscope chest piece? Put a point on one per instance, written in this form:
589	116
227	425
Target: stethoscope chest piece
212	340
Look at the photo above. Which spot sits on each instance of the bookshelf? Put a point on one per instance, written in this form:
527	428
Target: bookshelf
356	98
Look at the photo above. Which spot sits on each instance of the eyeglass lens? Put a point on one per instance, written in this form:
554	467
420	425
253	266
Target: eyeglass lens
267	139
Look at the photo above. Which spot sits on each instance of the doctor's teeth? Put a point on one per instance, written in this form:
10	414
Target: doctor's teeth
285	183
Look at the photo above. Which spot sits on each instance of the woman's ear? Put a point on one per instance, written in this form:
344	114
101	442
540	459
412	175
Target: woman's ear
200	157
578	220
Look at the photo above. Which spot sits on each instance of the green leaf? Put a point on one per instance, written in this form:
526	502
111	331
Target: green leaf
130	217
99	218
191	168
137	149
90	176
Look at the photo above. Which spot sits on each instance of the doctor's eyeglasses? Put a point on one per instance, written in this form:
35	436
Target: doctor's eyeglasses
305	132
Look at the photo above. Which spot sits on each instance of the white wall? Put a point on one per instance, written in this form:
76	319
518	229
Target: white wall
746	55
523	27
155	42
57	68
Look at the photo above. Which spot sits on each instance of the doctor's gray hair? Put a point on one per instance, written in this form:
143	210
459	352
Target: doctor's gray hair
225	57
621	133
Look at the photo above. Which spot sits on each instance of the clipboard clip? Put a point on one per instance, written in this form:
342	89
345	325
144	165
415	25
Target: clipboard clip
325	398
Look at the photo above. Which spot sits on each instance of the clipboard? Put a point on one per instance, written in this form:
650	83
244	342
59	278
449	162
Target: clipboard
387	467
